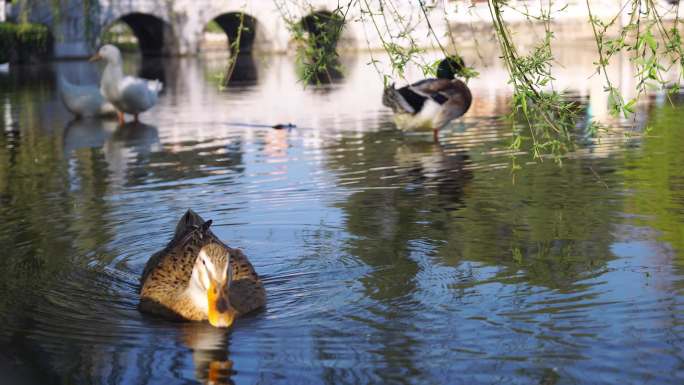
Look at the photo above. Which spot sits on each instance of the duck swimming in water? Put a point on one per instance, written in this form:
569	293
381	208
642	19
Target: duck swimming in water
197	277
430	104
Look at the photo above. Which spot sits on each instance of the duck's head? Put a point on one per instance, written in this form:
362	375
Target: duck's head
210	282
109	53
450	67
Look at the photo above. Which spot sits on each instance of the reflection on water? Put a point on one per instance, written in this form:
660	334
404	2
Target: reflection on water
387	258
210	352
245	71
87	133
332	72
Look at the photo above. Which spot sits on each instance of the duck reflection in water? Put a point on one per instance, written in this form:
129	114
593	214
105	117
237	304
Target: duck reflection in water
412	185
94	133
210	353
430	165
87	133
121	145
127	148
143	137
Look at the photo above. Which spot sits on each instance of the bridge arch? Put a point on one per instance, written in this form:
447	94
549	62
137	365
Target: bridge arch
319	37
327	30
230	23
155	36
182	24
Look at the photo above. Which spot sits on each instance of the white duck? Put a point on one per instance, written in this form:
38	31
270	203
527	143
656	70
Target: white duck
84	100
128	94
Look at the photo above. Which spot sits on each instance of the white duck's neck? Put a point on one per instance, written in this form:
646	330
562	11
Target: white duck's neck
113	71
111	77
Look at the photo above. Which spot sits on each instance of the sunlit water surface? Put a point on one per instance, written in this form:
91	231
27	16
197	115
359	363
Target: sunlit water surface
387	258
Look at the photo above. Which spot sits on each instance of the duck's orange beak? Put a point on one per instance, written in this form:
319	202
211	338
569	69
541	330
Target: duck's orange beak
221	314
95	57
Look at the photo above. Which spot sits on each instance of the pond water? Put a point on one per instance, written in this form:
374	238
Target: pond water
387	258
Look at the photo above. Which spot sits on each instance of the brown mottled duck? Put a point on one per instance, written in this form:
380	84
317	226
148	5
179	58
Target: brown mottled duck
197	277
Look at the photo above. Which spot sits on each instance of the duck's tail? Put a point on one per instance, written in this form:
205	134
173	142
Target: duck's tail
389	96
155	85
392	98
189	220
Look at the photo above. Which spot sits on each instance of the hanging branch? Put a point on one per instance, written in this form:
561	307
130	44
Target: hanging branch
234	49
541	116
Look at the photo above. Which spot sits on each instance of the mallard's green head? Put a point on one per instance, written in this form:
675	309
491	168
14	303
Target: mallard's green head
451	67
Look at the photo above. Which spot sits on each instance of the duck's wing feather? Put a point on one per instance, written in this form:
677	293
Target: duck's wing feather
397	100
412	101
430	86
139	94
453	95
439	90
179	254
457	101
412	98
246	290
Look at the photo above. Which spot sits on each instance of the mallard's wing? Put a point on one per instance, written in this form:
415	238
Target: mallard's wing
455	99
411	99
246	289
165	277
427	87
440	90
177	259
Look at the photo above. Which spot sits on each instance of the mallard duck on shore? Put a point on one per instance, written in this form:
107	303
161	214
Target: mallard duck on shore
430	104
128	94
197	277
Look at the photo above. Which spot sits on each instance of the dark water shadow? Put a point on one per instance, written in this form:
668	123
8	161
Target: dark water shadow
137	134
244	73
154	68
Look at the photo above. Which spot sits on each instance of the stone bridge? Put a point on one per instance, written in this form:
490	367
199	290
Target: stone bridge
175	27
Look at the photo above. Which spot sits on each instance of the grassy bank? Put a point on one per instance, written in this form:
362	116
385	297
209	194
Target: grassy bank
24	43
